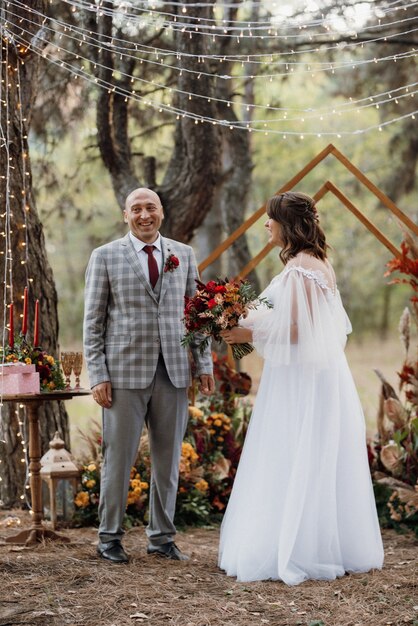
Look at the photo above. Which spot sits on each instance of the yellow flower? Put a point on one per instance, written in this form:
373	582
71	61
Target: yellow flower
220	439
82	499
28	361
90	483
217	422
50	359
188	452
202	485
144	485
195	412
131	498
91	467
51	385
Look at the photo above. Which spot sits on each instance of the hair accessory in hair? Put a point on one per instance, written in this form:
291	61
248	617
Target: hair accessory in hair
310	206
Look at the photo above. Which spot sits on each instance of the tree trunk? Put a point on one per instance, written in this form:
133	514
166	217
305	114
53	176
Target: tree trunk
24	256
207	238
237	164
192	174
403	176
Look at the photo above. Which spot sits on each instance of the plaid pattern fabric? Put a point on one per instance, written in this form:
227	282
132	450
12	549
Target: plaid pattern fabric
126	324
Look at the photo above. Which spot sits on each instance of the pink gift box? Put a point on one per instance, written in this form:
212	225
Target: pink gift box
18	378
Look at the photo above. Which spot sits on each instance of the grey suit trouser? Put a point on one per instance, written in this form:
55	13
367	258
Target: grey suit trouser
163	408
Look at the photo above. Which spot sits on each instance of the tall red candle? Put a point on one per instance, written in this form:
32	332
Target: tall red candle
11	328
25	312
36	325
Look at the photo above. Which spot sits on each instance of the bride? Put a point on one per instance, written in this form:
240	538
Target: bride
302	505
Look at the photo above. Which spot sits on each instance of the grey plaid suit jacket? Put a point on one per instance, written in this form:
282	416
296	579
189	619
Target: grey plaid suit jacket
126	325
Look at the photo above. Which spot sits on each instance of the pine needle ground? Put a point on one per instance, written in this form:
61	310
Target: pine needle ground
57	584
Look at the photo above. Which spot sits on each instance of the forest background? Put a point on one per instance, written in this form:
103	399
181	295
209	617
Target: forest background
93	137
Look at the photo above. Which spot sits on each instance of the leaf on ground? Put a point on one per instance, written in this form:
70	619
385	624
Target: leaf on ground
139	616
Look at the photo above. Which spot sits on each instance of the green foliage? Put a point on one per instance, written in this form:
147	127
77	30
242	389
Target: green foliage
382	494
193	509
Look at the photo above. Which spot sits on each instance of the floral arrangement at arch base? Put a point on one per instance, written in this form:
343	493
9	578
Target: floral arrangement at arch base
394	456
50	374
209	458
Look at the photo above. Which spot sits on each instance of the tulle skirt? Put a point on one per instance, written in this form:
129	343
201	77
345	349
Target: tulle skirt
302	506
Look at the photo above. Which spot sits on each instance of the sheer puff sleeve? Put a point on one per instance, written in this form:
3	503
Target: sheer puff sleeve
307	324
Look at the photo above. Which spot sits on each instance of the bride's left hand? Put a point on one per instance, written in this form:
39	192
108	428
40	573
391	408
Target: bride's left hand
238	334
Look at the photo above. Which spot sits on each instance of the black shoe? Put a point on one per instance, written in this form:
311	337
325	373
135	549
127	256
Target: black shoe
112	551
169	550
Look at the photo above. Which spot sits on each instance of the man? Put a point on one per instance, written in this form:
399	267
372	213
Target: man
139	372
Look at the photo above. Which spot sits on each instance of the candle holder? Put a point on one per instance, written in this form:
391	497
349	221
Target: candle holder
77	367
67	364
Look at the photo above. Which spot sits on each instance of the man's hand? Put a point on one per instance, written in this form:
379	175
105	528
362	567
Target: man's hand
207	384
237	334
102	394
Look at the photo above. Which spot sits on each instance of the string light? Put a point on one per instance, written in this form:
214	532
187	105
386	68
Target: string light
132	94
25	172
8	291
245	30
246	58
8	266
204	96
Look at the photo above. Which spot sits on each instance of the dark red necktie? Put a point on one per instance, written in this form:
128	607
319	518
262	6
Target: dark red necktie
152	265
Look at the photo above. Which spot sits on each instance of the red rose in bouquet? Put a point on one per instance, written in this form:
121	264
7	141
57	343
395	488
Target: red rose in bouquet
216	306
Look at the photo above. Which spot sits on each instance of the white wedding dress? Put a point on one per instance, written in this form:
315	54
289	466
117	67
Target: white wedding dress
302	504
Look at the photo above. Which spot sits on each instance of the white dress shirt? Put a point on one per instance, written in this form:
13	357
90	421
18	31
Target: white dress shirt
143	256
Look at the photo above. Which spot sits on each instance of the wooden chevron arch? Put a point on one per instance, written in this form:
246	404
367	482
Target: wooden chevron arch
328	186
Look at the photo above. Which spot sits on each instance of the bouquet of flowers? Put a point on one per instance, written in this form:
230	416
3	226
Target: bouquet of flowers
216	306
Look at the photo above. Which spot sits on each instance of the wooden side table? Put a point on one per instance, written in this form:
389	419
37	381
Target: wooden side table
37	531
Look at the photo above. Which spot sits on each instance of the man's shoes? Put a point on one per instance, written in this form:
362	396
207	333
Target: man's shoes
112	551
168	550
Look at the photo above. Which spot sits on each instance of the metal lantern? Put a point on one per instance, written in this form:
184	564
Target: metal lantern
61	475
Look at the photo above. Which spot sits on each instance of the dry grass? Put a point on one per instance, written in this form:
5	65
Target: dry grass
57	584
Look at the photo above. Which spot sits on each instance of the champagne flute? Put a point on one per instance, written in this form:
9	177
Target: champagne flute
67	363
77	366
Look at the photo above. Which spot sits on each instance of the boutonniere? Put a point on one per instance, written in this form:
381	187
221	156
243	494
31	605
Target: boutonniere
171	263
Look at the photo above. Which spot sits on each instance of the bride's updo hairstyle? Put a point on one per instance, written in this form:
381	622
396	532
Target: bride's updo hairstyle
297	215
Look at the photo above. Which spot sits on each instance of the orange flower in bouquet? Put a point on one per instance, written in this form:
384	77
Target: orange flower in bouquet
216	306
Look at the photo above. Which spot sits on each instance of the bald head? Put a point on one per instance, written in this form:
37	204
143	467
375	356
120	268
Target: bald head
142	192
144	214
